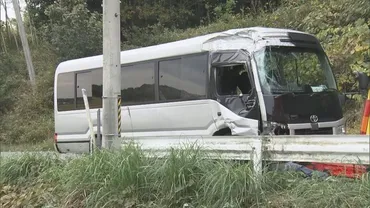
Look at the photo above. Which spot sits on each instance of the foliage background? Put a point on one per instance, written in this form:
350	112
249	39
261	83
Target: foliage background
66	29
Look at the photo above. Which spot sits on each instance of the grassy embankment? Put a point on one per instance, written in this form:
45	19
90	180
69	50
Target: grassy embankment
128	179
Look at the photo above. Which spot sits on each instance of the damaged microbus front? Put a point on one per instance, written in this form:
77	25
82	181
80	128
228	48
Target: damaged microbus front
283	81
298	87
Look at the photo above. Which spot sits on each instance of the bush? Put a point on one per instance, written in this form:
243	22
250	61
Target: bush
28	116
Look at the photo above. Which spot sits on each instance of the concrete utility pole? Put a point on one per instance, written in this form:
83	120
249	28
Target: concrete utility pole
26	48
111	71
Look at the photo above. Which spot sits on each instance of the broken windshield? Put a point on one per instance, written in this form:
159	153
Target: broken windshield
293	70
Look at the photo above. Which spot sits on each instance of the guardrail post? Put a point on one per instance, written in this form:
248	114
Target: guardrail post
98	141
257	157
92	134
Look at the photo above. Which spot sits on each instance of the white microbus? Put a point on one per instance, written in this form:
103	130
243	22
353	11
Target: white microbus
247	81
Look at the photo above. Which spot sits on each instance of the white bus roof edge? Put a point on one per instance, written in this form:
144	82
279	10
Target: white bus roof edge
234	39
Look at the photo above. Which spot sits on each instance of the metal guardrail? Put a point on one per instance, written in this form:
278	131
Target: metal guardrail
346	149
320	148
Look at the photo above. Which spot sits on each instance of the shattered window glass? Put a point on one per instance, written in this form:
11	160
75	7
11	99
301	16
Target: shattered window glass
298	70
232	80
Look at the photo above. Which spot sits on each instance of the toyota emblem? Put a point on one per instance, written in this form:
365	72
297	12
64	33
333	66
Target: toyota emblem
314	118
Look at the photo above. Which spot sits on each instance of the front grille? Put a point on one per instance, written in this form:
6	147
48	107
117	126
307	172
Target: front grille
313	132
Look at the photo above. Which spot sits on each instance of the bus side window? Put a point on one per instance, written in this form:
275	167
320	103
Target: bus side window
137	83
66	92
232	80
96	88
83	82
69	90
170	79
243	83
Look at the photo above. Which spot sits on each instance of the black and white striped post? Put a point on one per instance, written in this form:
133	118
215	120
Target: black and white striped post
119	100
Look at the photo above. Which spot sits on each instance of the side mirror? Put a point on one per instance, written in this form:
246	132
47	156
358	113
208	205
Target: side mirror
363	80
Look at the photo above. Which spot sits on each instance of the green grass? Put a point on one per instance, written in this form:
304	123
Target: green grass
128	179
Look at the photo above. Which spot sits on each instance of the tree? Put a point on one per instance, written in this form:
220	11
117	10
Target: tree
73	30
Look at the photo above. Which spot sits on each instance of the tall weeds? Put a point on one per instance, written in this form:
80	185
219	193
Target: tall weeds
128	178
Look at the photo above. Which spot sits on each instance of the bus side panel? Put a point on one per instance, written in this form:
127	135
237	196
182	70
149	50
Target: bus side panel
73	129
173	118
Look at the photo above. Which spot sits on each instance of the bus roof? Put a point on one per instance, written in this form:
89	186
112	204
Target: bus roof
242	38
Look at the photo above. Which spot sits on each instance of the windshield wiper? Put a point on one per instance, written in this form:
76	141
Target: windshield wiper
330	90
285	93
324	90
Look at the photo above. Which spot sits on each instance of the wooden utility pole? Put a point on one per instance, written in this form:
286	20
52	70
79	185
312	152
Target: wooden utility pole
111	72
26	48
